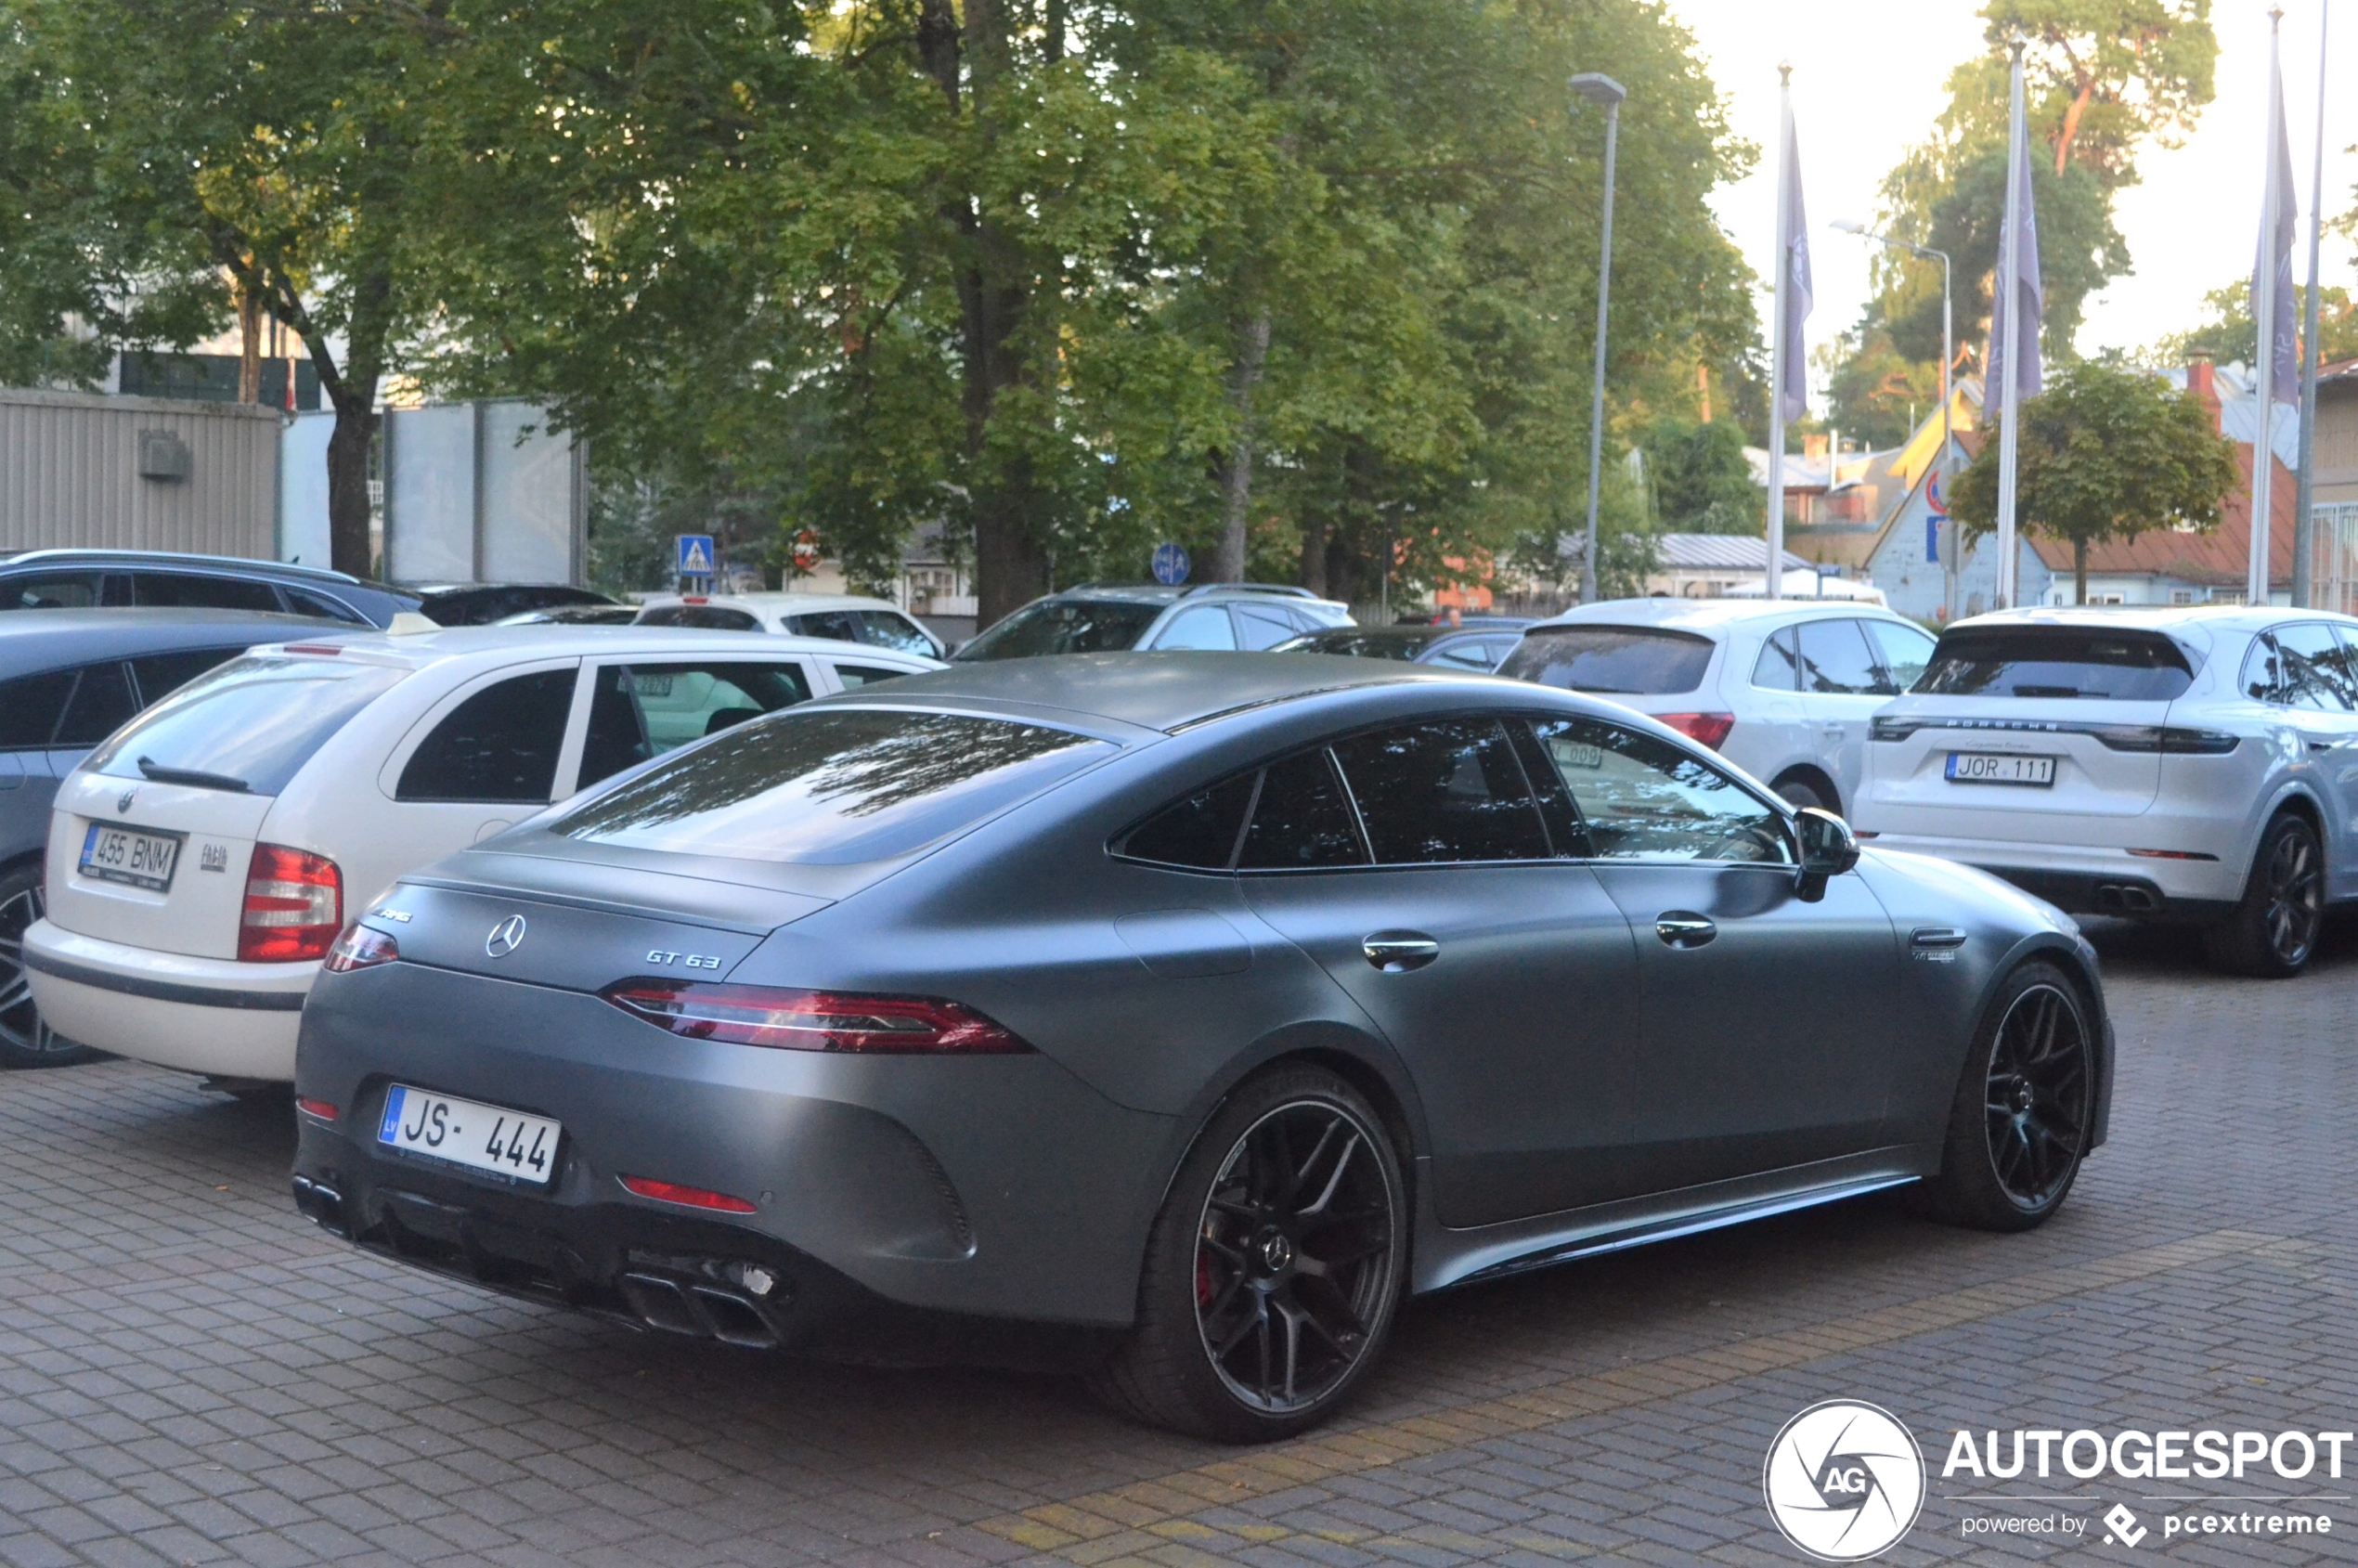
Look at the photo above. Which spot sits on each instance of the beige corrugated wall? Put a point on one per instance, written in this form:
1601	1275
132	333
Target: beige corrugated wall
70	476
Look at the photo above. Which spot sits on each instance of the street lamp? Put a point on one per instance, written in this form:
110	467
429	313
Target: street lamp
1948	357
1607	94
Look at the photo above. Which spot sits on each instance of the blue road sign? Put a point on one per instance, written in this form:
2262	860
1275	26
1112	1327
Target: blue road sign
696	555
1171	564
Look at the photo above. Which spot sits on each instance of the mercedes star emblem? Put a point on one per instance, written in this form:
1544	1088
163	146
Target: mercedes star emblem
505	938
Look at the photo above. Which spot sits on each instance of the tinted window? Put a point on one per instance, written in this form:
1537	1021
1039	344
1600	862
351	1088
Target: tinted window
253	720
1261	626
303	602
2300	667
1643	799
699	617
1302	818
1199	831
1834	657
855	676
499	745
2057	661
637	711
1064	625
30	706
1469	653
1628	660
1201	626
160	675
54	590
1779	666
1903	650
882	628
833	787
101	704
1448	790
198	590
1362	642
836	626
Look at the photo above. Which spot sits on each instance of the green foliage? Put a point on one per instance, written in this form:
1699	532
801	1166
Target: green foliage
1702	483
2227	334
1873	391
2105	453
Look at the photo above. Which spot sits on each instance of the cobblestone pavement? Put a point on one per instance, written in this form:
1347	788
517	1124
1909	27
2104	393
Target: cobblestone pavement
190	1373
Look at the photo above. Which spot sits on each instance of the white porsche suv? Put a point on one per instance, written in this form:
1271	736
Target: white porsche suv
2190	765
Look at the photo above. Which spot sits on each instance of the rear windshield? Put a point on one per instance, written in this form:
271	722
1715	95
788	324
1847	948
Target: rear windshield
251	724
1627	661
832	788
2056	661
1065	626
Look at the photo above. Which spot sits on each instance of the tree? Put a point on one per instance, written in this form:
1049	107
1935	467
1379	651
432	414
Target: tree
2226	333
1702	482
2105	453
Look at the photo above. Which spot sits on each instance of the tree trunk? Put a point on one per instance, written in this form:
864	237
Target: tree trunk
2079	569
1313	555
2071	123
1236	468
249	345
352	388
348	543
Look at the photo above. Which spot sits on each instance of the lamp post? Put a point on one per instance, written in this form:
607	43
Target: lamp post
1607	94
1949	562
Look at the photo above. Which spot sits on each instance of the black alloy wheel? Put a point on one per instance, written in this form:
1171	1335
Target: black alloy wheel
2272	933
2025	1107
1274	1269
26	1039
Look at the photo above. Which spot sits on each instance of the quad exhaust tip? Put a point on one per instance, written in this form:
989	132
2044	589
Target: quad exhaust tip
705	1312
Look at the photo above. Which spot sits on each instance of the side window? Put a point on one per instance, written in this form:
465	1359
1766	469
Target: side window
2311	673
2260	677
1203	625
29	707
499	745
1643	799
855	676
1199	833
1470	653
303	602
159	675
637	711
1835	659
836	626
1263	627
1904	650
1779	666
882	628
1444	790
196	590
55	591
1302	818
101	704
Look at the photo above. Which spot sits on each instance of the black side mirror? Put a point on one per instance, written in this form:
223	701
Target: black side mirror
1828	849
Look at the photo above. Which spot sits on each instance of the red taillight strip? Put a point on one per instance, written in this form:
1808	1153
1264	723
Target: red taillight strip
813	1020
690	1196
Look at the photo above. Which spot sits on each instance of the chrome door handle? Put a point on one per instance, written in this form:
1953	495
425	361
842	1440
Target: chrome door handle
1683	928
1396	953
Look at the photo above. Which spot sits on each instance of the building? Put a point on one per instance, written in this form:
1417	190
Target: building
1711	565
87	471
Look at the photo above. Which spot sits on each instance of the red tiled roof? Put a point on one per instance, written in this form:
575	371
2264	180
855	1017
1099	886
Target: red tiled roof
2217	559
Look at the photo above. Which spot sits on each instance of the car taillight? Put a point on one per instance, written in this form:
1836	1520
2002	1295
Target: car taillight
2171	738
294	906
324	1111
812	1020
1708	728
360	948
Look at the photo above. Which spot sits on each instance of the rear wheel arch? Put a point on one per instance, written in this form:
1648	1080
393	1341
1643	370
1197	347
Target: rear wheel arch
1814	777
2297	800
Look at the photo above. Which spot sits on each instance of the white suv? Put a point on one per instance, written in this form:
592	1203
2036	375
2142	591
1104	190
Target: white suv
1783	689
842	618
2192	765
203	859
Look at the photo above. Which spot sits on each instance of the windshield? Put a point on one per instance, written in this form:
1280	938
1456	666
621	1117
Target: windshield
2056	661
833	787
1065	626
1622	660
251	724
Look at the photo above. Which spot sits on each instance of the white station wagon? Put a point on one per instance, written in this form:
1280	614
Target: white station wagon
203	860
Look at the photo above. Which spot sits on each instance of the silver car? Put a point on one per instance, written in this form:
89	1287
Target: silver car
1109	617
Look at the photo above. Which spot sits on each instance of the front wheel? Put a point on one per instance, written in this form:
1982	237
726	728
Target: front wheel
1272	1272
26	1039
2272	933
2025	1107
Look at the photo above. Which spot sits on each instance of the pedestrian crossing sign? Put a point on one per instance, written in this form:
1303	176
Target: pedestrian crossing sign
696	555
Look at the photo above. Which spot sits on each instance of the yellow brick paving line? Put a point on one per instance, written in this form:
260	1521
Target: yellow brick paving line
1148	1523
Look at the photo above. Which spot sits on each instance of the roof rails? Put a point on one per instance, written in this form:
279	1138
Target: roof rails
1286	589
168	556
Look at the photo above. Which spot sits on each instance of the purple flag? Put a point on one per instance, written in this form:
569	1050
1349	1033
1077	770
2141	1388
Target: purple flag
1795	244
2284	372
2024	293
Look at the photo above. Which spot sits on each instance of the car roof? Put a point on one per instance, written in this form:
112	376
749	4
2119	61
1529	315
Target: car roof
31	641
1709	616
495	642
777	600
166	557
2154	617
1159	593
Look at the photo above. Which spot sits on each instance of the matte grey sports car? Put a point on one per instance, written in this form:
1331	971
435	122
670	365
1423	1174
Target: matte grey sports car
1212	1001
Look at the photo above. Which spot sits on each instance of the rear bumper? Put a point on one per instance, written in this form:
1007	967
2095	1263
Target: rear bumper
196	1015
2088	880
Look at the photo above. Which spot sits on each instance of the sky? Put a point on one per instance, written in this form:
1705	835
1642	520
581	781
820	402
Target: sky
1868	82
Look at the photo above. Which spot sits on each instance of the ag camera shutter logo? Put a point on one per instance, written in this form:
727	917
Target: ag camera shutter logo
1844	1481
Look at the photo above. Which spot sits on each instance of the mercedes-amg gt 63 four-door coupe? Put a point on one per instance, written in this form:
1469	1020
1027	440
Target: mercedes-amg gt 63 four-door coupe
1203	1005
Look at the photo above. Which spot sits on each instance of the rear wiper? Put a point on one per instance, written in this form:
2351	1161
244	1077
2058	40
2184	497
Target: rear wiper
2048	691
159	773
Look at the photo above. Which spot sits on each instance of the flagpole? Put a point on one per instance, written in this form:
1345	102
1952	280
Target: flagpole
1774	583
2264	462
2305	538
2010	285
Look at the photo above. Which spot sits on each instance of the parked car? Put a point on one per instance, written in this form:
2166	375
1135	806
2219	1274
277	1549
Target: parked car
67	680
2189	765
1106	617
202	860
73	579
1476	646
484	604
1127	992
1785	691
839	617
574	614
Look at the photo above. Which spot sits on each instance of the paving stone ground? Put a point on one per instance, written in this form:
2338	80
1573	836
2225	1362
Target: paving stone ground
190	1373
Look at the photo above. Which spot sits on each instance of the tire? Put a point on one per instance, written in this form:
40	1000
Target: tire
25	1040
1800	789
1240	1256
2272	932
2024	1107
